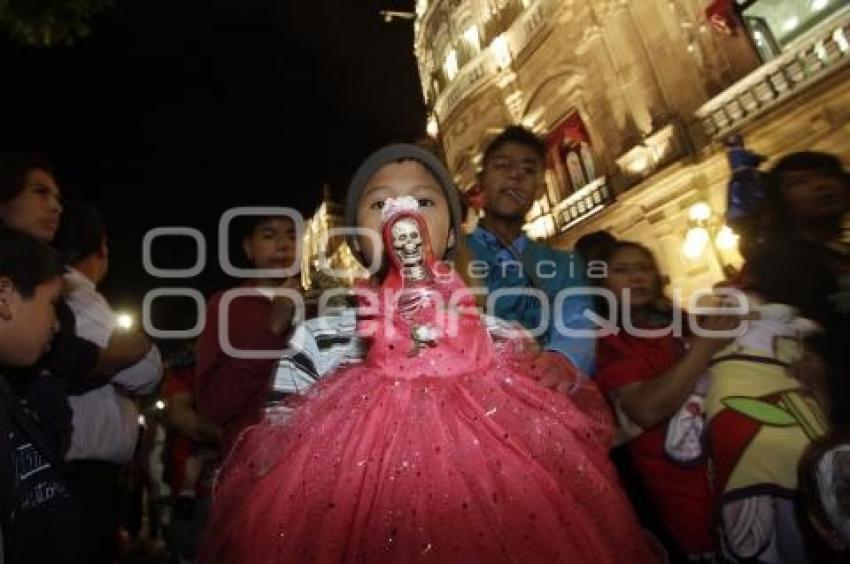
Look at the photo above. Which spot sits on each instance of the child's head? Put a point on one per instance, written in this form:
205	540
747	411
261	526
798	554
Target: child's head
512	174
269	242
824	479
82	238
30	285
393	172
30	201
592	246
632	266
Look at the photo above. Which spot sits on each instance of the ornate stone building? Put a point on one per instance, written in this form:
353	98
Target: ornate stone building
633	99
327	261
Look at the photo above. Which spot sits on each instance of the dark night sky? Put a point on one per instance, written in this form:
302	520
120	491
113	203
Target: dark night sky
174	110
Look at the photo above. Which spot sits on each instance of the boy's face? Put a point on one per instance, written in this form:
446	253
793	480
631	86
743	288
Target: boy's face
36	209
814	196
394	180
631	269
511	180
30	323
271	244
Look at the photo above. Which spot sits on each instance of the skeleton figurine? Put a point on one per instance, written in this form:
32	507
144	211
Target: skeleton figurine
410	250
407	246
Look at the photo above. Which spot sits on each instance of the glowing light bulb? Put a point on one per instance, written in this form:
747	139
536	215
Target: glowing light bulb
726	239
695	242
700	211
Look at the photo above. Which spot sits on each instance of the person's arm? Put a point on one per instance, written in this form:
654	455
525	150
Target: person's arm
82	364
570	321
652	401
181	415
123	351
225	384
142	377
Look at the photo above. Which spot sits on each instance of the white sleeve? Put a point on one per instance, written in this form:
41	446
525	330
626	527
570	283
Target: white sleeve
93	316
142	377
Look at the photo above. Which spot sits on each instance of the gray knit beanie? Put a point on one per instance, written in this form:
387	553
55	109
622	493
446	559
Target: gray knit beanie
392	154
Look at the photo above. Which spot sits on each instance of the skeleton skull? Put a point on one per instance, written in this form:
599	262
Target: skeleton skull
407	243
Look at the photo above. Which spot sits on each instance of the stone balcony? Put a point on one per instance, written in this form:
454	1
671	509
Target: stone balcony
585	202
820	54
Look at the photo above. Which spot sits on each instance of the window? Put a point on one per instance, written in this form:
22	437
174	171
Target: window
569	155
773	24
471	38
573	163
450	66
587	161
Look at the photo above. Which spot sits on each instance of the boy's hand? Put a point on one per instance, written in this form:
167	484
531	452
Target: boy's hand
551	370
283	308
706	341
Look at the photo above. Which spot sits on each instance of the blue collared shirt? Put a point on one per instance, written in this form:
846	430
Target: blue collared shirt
528	265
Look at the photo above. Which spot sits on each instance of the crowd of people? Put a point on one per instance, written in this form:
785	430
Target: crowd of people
471	403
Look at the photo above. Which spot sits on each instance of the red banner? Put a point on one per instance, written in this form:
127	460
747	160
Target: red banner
722	17
571	128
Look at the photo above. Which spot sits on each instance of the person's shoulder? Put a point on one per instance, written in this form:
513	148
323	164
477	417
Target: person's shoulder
239	297
215	298
548	251
617	344
478	240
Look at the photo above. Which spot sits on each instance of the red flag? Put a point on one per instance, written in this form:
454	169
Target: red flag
722	17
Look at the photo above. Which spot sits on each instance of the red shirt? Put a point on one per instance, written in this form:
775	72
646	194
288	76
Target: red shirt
178	381
230	391
681	494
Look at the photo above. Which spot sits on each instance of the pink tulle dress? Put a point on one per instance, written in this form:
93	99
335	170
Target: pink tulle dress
439	447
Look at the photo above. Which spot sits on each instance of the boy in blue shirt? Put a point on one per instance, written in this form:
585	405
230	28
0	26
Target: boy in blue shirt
511	180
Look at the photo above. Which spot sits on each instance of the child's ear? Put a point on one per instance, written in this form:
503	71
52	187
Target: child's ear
7	291
246	248
450	243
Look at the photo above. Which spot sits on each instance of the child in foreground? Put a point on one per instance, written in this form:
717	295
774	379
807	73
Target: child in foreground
440	446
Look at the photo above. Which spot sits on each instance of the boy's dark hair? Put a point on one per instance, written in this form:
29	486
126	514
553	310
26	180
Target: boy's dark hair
81	232
804	161
519	136
246	225
14	168
594	245
27	262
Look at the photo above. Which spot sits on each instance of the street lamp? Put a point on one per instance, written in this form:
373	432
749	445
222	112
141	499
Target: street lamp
706	230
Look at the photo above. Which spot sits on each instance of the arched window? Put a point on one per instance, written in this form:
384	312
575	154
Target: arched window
569	154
